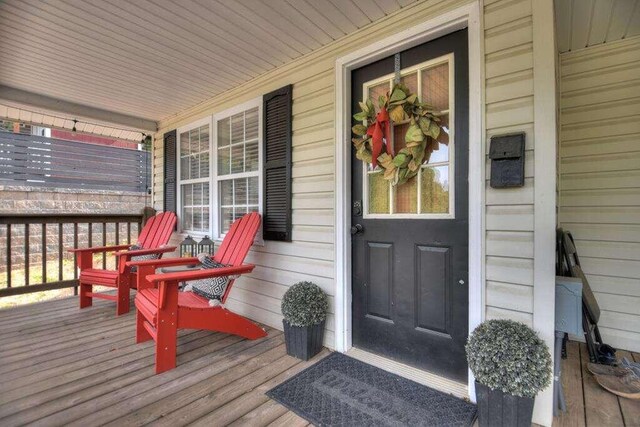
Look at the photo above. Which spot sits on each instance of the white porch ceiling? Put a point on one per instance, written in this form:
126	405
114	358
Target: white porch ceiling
584	23
153	58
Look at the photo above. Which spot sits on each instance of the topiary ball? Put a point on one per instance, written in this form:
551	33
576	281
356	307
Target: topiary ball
304	304
509	356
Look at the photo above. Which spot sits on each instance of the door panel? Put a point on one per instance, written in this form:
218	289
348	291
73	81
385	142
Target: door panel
380	279
433	265
410	262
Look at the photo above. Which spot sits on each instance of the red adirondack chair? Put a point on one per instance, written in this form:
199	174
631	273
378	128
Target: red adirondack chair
162	310
155	233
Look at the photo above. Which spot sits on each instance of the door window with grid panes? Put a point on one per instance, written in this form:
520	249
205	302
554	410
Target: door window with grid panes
194	152
238	165
430	193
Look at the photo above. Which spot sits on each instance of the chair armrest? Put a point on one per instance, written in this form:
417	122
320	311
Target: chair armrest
164	262
98	249
180	276
147	251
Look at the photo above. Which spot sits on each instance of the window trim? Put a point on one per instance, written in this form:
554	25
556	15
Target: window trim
444	59
180	182
215	210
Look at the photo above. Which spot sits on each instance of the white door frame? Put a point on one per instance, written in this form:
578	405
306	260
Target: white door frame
467	16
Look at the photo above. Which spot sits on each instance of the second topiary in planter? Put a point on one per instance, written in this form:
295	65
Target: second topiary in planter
304	307
511	365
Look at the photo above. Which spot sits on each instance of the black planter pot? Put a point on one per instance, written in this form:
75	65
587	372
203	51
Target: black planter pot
496	408
303	342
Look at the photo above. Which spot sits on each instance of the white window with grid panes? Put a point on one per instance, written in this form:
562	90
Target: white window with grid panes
194	176
238	152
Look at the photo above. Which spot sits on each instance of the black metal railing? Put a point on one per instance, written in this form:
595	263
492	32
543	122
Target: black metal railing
36	256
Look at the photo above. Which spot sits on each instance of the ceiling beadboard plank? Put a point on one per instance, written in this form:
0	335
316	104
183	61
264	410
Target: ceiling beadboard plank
316	16
192	33
44	47
404	3
352	12
387	6
38	64
301	21
49	61
274	55
153	58
563	24
91	26
162	37
622	11
580	24
334	15
633	28
270	20
69	38
371	9
137	39
600	21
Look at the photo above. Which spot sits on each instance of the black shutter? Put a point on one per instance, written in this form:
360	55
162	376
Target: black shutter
277	164
170	165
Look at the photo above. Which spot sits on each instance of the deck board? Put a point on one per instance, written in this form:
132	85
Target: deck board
630	408
289	419
572	385
66	366
601	407
588	404
253	396
265	413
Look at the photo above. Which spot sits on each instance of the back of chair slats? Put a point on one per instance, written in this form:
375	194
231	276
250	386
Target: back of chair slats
163	229
144	233
238	240
157	230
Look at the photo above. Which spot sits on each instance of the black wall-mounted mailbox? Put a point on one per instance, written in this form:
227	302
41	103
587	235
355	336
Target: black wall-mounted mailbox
507	161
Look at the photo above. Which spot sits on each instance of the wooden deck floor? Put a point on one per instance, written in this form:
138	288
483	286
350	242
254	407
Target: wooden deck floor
588	404
65	366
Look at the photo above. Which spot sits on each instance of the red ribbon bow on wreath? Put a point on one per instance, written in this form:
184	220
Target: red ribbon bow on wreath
378	130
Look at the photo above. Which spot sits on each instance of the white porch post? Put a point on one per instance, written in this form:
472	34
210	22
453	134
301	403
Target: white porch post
544	85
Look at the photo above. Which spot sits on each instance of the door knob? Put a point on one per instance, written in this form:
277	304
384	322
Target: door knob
357	229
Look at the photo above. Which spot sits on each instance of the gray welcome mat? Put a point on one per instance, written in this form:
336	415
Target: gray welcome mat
342	391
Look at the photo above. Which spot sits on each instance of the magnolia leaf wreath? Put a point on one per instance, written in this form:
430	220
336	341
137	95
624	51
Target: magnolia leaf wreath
373	137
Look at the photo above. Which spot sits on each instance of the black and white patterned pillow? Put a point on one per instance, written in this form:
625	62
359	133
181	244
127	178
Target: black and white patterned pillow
212	288
141	257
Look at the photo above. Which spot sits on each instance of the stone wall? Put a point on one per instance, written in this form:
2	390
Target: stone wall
32	200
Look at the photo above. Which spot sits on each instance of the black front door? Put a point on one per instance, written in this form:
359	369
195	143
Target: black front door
410	255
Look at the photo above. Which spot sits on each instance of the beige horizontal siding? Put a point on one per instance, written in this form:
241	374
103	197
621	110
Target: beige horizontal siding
509	109
599	199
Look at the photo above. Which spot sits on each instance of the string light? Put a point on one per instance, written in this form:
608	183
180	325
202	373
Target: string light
75	122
